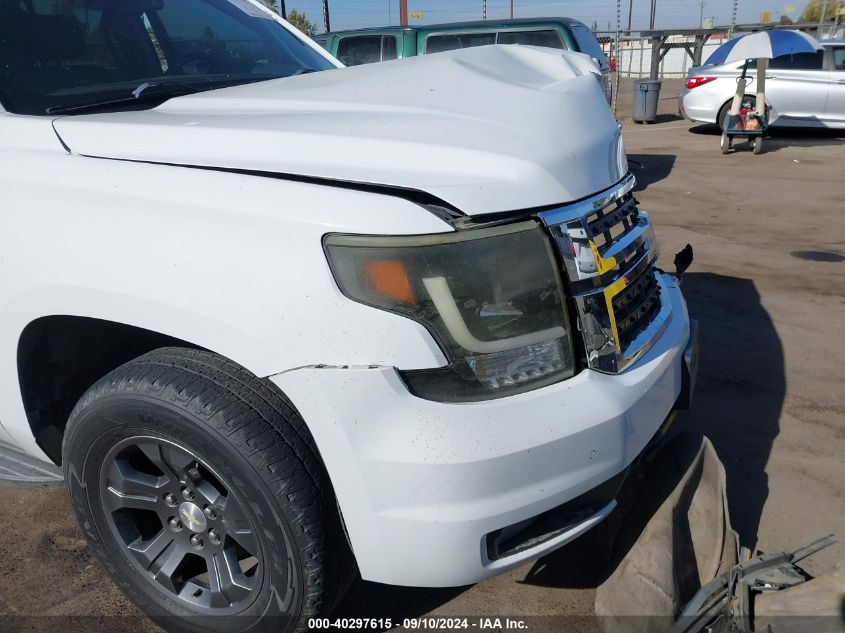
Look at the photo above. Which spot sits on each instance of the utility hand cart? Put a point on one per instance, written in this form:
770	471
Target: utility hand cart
748	122
744	119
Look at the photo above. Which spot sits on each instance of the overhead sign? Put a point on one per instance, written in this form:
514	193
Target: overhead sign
765	17
417	15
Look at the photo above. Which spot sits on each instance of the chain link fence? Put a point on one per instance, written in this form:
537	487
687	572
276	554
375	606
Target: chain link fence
675	57
669	54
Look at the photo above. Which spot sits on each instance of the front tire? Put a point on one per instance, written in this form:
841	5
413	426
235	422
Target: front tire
200	490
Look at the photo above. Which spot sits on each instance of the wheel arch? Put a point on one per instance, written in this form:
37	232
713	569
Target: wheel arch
60	356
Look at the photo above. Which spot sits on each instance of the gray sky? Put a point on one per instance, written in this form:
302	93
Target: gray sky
347	14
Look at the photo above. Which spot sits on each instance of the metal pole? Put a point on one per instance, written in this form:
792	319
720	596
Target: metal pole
390	12
653	14
733	21
282	10
822	17
326	20
483	9
701	17
511	9
403	12
736	104
630	14
617	56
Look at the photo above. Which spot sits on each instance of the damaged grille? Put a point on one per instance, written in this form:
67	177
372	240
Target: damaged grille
636	306
602	225
608	250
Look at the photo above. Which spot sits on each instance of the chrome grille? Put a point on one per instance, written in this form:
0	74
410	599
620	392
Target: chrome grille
636	306
608	250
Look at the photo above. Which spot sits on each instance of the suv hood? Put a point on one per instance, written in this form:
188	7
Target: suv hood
496	128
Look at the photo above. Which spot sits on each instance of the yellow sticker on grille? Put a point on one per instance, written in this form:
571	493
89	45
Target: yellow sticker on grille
602	265
609	293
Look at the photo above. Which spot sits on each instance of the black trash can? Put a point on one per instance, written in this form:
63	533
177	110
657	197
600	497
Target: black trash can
646	96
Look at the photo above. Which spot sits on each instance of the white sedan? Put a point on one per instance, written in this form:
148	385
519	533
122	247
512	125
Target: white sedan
803	90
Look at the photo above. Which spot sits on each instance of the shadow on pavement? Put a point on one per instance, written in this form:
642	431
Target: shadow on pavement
777	138
737	404
650	168
661	118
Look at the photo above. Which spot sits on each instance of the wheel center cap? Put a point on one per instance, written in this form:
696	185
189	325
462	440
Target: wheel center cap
192	517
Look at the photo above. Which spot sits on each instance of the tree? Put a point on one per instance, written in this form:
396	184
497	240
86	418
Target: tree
813	13
301	22
295	17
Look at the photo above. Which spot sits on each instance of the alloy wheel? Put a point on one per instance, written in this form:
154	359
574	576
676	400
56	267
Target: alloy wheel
183	528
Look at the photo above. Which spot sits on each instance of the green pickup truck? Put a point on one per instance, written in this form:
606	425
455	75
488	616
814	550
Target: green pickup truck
365	46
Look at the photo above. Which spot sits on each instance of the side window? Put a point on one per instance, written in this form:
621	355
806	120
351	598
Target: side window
588	44
51	47
799	61
452	41
388	48
548	38
839	58
359	49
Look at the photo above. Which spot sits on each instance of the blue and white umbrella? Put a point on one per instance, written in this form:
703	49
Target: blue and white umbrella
764	45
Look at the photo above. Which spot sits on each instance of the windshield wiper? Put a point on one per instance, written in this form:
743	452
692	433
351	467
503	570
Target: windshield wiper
157	92
146	93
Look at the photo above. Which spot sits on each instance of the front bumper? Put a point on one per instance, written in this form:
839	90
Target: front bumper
422	484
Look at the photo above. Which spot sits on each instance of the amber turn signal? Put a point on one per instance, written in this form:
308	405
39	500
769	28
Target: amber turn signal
389	279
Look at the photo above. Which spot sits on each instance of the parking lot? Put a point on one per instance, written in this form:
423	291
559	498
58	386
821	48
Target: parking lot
768	287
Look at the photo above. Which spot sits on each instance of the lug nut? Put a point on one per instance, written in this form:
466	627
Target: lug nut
171	500
214	536
175	524
209	512
188	494
196	541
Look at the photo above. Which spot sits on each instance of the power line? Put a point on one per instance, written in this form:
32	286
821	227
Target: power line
350	14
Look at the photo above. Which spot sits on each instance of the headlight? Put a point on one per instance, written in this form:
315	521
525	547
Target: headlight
491	298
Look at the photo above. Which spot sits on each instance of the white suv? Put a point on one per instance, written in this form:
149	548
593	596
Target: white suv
279	326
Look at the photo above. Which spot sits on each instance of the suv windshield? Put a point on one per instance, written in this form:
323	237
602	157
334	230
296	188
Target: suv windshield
76	55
